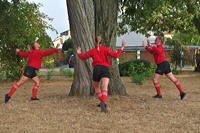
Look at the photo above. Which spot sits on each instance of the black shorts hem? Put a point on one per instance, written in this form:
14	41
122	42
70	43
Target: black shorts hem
30	72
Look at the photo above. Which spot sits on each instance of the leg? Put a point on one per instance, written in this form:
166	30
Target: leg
156	83
178	85
105	82
35	88
97	89
22	80
104	93
175	81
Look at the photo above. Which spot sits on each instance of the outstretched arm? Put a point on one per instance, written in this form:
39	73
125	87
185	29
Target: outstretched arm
49	52
22	54
83	56
118	53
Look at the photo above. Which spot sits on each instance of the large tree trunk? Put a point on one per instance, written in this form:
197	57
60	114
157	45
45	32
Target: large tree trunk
89	18
81	18
106	26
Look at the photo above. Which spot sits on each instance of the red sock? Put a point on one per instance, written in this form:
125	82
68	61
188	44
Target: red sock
178	85
34	91
157	86
104	96
99	95
13	89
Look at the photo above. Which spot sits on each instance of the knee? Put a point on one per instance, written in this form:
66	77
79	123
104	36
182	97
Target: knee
37	83
176	82
155	81
104	86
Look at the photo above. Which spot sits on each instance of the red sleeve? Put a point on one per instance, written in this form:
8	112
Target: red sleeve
48	52
149	50
158	49
23	54
114	54
85	56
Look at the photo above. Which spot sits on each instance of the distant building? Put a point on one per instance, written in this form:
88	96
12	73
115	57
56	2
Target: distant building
62	38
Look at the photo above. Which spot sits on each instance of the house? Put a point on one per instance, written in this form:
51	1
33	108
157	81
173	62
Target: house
61	39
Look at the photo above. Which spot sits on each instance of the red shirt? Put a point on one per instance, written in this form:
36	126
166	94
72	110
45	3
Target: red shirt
35	56
158	53
100	57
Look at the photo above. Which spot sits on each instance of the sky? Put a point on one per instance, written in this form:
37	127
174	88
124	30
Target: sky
57	10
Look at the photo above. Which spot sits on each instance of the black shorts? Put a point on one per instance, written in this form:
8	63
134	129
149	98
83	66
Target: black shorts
100	72
163	68
30	72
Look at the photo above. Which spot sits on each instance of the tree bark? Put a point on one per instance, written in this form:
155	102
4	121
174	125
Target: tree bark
106	26
81	18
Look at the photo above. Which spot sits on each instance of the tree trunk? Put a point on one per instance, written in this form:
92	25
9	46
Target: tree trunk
81	18
106	26
88	19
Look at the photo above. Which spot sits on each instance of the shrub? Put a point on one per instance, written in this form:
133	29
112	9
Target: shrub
175	69
124	68
67	72
51	69
137	78
139	70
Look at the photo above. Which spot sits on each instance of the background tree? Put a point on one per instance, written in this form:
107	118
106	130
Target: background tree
20	24
143	16
87	19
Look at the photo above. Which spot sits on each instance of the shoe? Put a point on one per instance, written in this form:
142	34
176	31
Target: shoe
34	98
100	106
183	95
7	98
103	107
157	96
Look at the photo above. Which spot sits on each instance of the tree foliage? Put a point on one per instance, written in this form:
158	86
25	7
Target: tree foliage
67	44
143	16
21	23
187	38
178	55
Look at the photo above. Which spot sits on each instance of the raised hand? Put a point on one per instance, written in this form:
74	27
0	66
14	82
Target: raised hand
58	45
148	43
17	50
79	50
123	44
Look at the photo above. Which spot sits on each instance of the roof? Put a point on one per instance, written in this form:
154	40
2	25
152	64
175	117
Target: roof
141	48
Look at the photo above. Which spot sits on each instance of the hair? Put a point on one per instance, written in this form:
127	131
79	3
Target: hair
97	38
32	45
161	39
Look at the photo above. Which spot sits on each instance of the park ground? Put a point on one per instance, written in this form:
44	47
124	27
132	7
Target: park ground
136	113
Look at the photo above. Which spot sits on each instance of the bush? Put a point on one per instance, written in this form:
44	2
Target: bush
137	78
175	69
51	69
67	72
139	70
124	68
